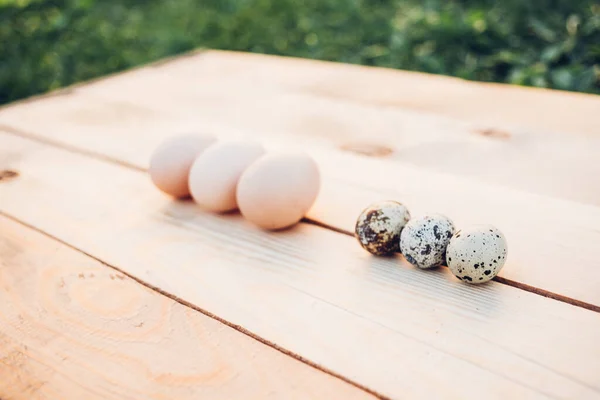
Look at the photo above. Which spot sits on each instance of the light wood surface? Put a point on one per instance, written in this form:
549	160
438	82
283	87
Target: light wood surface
490	105
72	328
403	332
552	243
533	140
541	188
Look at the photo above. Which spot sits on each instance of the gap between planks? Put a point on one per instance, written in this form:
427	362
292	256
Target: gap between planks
60	340
185	303
550	219
105	158
296	270
499	279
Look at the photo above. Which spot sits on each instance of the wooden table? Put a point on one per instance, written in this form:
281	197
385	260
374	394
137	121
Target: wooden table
111	290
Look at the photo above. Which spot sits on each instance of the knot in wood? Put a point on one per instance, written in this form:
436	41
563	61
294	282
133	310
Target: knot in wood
370	150
493	133
8	174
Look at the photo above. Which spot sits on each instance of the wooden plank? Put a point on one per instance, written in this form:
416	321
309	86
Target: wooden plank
72	328
547	230
522	138
552	242
397	330
487	104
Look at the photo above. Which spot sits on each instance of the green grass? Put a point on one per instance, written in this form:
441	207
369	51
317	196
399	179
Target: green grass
546	43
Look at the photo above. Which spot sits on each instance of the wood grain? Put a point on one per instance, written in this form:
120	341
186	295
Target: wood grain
547	229
487	104
72	328
522	138
552	242
399	331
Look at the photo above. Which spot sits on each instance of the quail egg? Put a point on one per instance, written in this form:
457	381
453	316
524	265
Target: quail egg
423	241
379	226
476	254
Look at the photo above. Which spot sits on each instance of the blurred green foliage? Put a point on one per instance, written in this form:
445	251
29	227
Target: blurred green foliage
46	44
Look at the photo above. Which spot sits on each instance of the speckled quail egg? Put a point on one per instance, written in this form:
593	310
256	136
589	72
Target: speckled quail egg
476	254
379	226
423	241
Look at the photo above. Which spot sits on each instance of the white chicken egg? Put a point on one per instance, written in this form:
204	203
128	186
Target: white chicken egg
423	241
171	162
215	173
277	190
476	254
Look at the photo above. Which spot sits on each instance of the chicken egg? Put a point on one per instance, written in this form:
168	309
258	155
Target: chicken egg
171	162
215	173
476	254
277	190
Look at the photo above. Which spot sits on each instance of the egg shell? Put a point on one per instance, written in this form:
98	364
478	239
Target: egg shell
378	227
476	254
171	162
424	240
215	173
277	190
